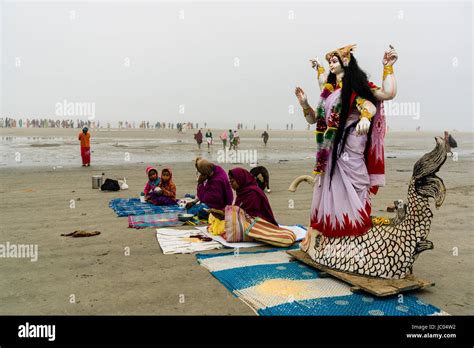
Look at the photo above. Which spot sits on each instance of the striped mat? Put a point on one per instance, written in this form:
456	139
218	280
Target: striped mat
272	285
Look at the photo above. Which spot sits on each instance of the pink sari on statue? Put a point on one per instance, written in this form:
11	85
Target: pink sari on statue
343	208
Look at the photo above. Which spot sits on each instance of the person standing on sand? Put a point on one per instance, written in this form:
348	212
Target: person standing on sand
265	137
198	138
84	137
209	140
231	138
223	137
235	140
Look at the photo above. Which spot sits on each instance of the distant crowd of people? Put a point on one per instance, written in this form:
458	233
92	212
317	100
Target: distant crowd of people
45	123
9	122
181	127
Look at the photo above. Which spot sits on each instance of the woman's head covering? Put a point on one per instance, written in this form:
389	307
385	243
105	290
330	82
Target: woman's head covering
204	166
170	181
169	185
167	169
250	197
242	177
150	168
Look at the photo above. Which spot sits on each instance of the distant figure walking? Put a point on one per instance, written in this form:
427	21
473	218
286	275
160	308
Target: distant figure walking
235	140
223	137
209	140
198	137
265	137
84	137
231	138
450	142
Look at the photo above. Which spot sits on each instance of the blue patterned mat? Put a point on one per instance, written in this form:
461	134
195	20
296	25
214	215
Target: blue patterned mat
133	206
272	285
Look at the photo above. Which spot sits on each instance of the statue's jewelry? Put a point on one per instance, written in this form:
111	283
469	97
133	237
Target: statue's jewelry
320	70
380	220
329	87
359	103
387	70
366	113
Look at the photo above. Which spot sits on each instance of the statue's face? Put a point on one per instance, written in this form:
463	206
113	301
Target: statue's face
335	66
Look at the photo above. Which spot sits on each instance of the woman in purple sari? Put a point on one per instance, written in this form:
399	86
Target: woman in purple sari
250	197
350	127
213	185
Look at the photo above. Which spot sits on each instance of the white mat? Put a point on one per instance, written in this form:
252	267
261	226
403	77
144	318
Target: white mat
174	241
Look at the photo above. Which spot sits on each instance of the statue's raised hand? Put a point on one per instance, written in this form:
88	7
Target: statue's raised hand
315	63
301	97
390	56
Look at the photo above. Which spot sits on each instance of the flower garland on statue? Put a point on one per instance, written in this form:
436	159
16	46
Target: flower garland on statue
325	131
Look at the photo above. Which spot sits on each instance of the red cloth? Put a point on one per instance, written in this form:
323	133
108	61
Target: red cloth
86	155
198	137
375	157
345	227
250	197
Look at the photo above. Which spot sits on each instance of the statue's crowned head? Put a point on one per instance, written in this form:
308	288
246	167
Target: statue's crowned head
344	54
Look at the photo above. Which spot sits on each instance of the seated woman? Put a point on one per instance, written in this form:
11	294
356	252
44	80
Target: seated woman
251	217
213	187
165	192
250	197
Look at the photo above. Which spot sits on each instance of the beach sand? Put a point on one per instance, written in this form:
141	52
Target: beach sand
97	273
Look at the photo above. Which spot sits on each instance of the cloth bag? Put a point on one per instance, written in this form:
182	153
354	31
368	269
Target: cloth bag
240	227
110	185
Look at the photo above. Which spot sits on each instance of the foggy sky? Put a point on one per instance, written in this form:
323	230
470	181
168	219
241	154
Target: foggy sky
186	54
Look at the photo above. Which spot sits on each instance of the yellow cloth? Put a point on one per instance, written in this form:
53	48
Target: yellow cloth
216	226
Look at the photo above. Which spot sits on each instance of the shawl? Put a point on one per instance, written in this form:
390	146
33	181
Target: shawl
250	197
215	191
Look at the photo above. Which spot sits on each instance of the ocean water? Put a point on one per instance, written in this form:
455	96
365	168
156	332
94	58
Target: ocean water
19	151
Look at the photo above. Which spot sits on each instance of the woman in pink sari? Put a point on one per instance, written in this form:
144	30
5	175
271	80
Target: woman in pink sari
350	127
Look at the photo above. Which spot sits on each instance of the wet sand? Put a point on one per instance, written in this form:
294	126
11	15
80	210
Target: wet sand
35	209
